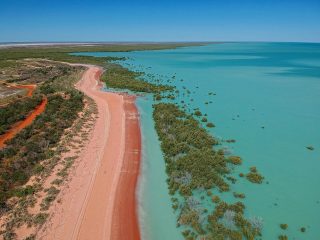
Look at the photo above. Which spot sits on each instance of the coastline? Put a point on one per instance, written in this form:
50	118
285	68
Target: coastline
91	205
156	223
125	218
224	128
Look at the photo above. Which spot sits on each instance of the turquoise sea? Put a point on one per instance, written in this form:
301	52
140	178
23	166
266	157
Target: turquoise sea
267	98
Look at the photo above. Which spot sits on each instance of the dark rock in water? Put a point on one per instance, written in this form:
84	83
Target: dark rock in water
310	148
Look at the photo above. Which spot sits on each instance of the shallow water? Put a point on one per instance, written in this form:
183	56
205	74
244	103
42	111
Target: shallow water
268	99
157	219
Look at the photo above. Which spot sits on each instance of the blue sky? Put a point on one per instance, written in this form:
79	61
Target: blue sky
175	20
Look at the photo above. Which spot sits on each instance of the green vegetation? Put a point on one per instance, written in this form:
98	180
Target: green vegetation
253	176
17	111
215	199
235	160
210	125
116	76
40	218
197	113
61	53
52	193
283	237
204	119
24	191
157	97
239	195
283	226
186	145
227	222
122	78
36	149
33	71
192	164
20	158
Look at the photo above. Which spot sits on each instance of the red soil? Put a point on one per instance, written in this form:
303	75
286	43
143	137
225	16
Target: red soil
124	220
24	123
99	200
30	88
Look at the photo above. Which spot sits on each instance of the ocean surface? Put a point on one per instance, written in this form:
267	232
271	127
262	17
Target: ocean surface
267	98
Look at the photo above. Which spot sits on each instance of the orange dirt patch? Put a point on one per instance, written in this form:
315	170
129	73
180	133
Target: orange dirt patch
30	88
26	122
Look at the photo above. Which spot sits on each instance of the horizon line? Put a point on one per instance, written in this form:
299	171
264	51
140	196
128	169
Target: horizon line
154	42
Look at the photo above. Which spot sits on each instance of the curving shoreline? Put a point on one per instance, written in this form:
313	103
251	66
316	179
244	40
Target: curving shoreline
99	201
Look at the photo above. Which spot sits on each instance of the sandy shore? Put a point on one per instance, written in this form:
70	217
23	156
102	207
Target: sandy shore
99	200
124	223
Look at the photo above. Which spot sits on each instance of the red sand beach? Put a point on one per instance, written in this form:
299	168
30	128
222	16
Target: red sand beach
99	201
124	223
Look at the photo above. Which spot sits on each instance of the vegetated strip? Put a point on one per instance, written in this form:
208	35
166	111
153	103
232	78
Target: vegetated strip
192	166
17	111
119	77
24	123
20	158
62	53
